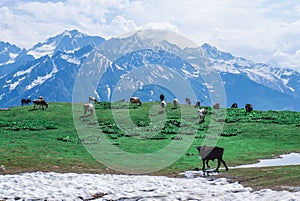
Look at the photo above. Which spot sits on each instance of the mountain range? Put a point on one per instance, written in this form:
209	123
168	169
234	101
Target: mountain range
141	66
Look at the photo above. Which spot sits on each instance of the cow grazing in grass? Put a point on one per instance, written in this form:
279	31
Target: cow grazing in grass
88	107
198	103
201	115
234	105
216	106
163	105
188	101
2	168
135	100
175	103
40	102
248	107
211	153
25	101
92	99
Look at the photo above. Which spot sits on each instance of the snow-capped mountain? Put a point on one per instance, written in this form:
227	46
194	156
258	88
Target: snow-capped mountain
11	57
8	53
143	65
68	41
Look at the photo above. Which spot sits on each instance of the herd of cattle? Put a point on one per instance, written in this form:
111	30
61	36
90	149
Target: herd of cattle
205	152
89	107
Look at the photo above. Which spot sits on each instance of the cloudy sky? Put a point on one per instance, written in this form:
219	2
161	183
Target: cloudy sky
259	30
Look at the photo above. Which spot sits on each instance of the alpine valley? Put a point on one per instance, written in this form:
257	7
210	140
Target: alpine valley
50	69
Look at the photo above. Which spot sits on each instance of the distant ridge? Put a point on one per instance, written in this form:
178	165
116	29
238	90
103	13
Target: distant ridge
49	69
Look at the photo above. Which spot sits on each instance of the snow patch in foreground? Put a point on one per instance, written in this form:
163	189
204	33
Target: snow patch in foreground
72	186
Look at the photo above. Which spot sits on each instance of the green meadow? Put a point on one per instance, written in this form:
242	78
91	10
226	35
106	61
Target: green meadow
48	140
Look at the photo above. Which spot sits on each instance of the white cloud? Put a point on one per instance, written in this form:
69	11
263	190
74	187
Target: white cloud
257	29
291	60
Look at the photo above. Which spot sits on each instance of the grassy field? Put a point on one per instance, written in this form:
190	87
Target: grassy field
47	140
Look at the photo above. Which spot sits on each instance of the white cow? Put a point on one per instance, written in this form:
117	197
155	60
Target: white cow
175	103
163	105
88	107
93	99
201	114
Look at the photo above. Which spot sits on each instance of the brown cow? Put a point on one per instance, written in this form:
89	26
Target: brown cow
40	102
216	106
188	101
135	100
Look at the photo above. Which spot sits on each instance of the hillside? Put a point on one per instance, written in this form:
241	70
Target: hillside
47	140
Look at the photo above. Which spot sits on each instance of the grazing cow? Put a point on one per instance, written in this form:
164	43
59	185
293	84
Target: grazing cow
198	103
135	100
201	115
175	103
216	106
40	102
234	105
211	153
93	99
25	101
88	107
248	107
163	105
2	168
188	101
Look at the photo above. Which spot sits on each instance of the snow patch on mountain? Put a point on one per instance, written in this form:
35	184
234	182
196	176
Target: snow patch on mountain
41	79
46	49
69	59
23	72
12	58
15	84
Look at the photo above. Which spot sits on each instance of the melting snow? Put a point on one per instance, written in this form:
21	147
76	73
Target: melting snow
285	159
72	186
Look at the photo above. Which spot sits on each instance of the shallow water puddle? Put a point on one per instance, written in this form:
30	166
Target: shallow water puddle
285	159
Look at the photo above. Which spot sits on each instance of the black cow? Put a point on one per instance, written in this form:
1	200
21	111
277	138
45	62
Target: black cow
211	153
25	101
234	105
248	107
161	97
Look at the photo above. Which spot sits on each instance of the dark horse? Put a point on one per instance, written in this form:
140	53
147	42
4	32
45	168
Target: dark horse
25	101
40	102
